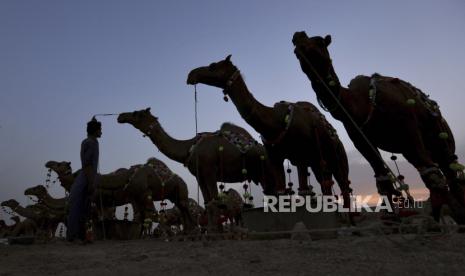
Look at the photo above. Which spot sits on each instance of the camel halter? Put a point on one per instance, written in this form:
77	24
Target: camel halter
230	82
352	121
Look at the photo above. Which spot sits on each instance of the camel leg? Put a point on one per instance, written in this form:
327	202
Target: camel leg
444	154
443	151
207	180
421	159
302	171
181	201
340	169
280	177
383	182
186	217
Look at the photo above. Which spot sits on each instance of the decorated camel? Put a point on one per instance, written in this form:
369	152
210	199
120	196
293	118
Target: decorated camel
165	184
113	189
230	207
394	116
294	131
45	198
229	155
173	216
139	185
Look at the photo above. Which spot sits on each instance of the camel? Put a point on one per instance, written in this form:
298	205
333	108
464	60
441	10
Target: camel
140	185
164	184
173	216
45	198
294	131
113	189
230	207
229	155
394	116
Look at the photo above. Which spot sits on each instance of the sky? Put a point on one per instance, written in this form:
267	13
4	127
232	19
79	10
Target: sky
63	61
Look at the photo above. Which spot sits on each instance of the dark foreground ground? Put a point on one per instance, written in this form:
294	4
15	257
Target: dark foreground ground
375	255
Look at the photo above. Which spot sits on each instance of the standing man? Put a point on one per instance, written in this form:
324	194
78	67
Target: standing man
83	186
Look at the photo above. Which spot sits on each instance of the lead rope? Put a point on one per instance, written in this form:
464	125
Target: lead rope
348	115
100	190
101	207
196	155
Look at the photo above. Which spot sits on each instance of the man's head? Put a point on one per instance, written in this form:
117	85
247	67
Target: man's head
94	128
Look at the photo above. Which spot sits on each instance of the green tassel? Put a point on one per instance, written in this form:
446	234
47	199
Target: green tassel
456	167
371	93
286	119
443	135
411	102
244	171
221	148
262	157
332	83
404	187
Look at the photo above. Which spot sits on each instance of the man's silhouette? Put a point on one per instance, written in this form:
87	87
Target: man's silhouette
83	186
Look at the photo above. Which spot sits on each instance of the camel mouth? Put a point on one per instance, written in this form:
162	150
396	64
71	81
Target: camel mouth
299	38
192	78
49	164
121	118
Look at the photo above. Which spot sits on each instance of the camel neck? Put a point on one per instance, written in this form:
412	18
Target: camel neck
52	202
174	149
257	115
321	83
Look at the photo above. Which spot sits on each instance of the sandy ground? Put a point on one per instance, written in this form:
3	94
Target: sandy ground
439	255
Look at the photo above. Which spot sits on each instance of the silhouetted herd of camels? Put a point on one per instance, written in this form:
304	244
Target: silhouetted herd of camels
378	112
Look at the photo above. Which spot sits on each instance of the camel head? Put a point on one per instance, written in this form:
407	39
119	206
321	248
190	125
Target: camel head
12	204
313	50
140	119
217	74
61	168
38	191
2	223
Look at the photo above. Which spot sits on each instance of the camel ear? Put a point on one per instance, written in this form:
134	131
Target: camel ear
327	40
68	163
228	58
147	109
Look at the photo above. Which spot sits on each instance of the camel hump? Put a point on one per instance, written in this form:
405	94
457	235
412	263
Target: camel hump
230	127
234	199
359	82
234	195
308	106
282	104
156	163
120	171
